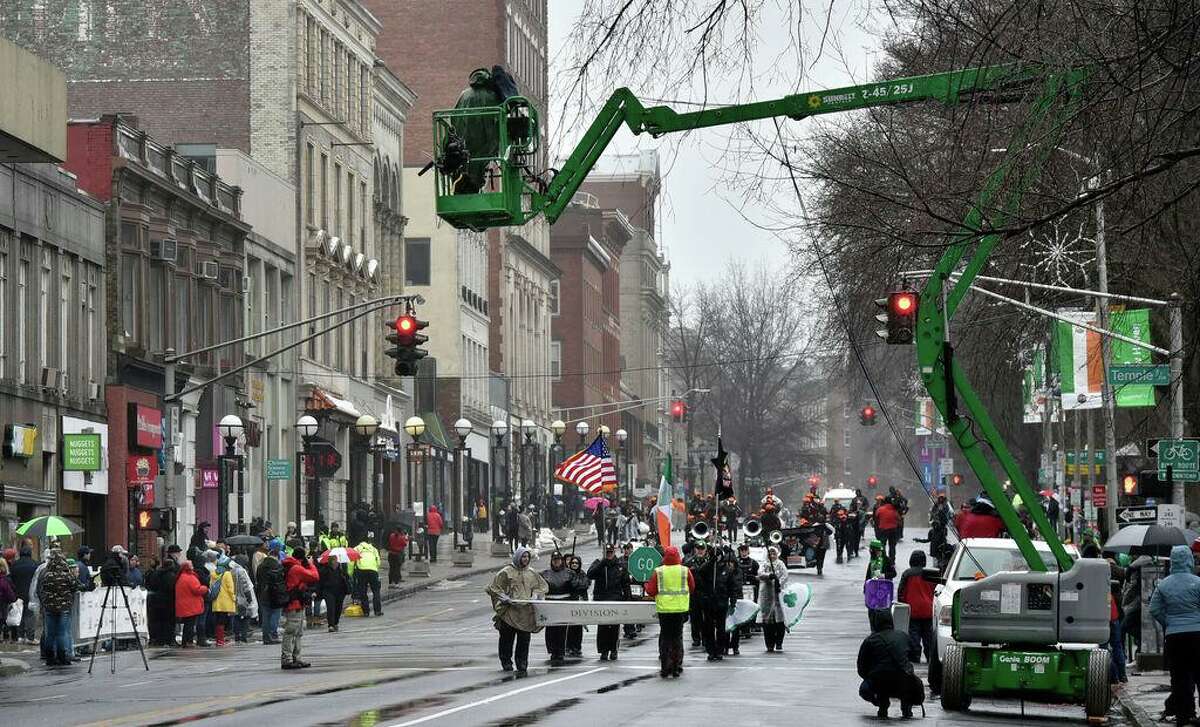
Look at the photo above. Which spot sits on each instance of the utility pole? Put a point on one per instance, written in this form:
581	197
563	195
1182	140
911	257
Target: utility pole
1106	392
1176	303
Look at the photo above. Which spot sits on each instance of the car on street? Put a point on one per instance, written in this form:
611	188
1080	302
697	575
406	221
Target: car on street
976	558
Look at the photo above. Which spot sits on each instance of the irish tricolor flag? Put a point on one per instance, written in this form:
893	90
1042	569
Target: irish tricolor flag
1077	361
662	510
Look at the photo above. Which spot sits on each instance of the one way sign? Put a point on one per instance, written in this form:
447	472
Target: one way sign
1145	515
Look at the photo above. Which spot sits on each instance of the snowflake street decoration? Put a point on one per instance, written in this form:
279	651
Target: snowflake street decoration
1060	255
916	387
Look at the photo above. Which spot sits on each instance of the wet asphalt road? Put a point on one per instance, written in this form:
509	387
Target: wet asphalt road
431	660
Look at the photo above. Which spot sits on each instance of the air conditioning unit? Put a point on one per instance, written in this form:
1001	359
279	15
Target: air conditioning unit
165	249
209	270
93	391
49	378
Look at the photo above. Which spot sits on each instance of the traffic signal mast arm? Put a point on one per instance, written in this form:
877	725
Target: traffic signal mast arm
623	108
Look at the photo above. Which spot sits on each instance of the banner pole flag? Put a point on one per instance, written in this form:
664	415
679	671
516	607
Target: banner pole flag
662	509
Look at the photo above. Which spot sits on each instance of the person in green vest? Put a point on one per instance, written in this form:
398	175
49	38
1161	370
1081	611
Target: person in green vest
334	538
671	587
366	575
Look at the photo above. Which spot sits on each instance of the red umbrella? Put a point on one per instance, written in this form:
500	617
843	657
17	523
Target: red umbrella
343	555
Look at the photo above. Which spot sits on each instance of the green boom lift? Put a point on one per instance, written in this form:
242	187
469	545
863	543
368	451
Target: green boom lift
1030	635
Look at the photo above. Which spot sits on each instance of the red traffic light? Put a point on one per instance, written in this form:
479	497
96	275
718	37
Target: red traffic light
872	481
866	415
405	324
904	303
678	410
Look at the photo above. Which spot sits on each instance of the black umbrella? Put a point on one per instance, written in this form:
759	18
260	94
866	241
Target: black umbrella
243	540
1146	539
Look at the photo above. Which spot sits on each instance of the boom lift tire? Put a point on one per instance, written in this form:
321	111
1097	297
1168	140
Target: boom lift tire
954	692
1099	696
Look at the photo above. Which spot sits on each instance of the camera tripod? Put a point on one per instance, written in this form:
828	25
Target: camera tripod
112	648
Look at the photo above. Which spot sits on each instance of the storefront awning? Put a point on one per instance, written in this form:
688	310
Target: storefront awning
27	495
321	400
434	432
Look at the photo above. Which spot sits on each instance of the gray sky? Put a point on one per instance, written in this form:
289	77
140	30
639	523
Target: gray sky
701	224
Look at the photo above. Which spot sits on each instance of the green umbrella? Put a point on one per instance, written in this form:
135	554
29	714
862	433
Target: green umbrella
48	526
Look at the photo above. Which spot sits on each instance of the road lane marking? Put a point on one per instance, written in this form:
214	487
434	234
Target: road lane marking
497	697
52	696
137	684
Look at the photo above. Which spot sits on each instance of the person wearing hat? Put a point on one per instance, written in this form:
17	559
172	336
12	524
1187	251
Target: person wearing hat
558	578
772	578
671	586
298	576
611	582
579	592
629	630
1175	605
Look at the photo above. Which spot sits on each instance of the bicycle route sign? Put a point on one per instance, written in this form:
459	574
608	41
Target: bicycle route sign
1181	455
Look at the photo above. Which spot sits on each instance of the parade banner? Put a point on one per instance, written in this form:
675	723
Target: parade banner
116	618
1034	392
1136	325
572	613
1077	361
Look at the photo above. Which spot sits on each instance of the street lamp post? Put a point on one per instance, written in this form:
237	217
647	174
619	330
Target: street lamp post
557	427
366	426
461	556
306	427
499	450
527	428
230	428
582	430
622	436
419	566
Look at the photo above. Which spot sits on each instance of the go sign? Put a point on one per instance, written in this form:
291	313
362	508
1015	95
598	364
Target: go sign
642	563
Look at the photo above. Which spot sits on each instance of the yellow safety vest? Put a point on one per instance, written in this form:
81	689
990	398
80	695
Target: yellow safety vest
673	595
368	557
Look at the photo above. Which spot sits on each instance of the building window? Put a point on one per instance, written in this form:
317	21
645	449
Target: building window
312	311
846	438
43	311
91	324
362	206
553	297
4	308
310	188
130	296
325	191
64	314
337	199
350	209
22	302
556	360
339	336
416	261
179	313
159	307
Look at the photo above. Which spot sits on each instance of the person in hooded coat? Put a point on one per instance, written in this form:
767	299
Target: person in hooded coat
772	579
1175	605
917	592
671	586
22	571
189	600
516	621
884	667
247	600
56	594
559	578
579	592
335	586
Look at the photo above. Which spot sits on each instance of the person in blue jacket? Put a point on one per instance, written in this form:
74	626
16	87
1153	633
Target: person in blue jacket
1176	606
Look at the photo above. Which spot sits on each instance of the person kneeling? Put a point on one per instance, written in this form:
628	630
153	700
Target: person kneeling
885	669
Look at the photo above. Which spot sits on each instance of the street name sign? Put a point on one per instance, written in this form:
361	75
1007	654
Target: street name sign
1181	455
1155	375
279	469
1143	515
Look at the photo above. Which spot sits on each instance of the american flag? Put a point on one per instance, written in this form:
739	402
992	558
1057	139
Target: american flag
591	470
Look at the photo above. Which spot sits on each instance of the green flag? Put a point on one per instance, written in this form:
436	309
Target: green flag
1136	325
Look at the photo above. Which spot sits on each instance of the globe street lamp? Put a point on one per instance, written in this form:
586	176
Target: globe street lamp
230	428
527	428
366	426
306	427
499	477
582	430
462	459
415	427
557	428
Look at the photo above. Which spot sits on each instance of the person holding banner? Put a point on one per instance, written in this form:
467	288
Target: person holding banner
559	579
579	592
671	586
772	579
516	621
611	584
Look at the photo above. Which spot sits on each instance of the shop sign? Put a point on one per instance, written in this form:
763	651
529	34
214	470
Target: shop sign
145	424
141	469
20	440
210	479
82	452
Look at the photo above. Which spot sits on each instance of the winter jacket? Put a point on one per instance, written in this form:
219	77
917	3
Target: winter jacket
270	582
397	542
715	589
514	583
1176	600
334	581
561	583
883	656
887	517
226	599
434	522
773	577
670	557
22	571
189	592
8	594
297	577
915	590
160	584
57	585
978	525
524	526
610	578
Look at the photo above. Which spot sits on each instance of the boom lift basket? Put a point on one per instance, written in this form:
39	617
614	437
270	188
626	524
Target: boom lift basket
500	142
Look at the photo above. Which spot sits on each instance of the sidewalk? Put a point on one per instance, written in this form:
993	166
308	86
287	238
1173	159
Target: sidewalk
1141	700
484	562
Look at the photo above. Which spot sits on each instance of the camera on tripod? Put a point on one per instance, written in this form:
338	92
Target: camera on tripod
115	569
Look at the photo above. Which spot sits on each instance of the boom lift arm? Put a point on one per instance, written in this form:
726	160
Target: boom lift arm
514	197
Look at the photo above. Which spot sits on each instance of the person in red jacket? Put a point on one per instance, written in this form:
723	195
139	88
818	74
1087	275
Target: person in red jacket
397	543
917	592
978	519
670	620
433	530
887	526
189	600
299	574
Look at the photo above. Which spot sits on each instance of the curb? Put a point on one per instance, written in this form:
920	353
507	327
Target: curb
1134	712
12	667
